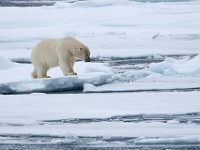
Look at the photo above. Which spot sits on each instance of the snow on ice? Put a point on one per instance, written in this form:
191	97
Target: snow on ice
17	79
28	115
132	27
177	74
89	73
177	67
169	67
116	28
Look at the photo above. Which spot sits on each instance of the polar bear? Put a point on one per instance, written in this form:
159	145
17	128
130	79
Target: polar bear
58	52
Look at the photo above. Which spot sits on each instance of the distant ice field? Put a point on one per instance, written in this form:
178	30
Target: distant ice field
131	27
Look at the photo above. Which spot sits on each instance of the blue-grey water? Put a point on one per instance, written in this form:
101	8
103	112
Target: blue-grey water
68	147
34	3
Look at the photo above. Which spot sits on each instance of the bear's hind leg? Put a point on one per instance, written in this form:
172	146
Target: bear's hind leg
34	74
42	72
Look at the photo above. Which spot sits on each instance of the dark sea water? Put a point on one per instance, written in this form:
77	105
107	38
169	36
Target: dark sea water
26	3
34	3
68	147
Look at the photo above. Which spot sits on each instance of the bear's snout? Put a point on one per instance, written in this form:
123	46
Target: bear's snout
88	59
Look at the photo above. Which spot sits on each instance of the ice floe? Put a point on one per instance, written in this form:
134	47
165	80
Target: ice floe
177	67
168	67
16	79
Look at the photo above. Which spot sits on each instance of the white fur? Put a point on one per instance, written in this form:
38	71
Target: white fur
57	52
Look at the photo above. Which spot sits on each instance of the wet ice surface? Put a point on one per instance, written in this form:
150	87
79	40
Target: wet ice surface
65	146
164	118
26	3
189	118
84	143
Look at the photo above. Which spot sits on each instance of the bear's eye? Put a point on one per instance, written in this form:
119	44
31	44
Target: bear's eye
81	49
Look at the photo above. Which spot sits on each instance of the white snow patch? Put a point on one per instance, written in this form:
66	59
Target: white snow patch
137	74
169	67
60	4
177	67
61	106
6	64
85	68
193	139
102	3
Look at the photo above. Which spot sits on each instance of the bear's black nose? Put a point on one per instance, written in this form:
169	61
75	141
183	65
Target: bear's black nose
88	60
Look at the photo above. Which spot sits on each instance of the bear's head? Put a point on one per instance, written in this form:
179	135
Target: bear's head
84	54
77	48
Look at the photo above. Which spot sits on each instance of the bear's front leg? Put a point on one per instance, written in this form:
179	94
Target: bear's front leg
67	68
